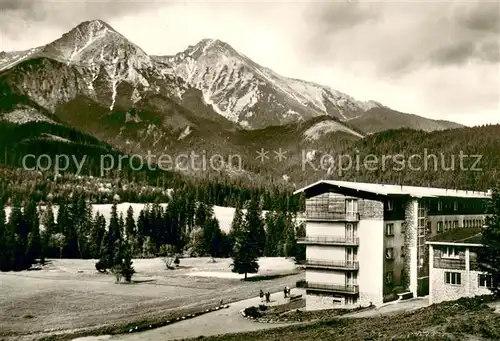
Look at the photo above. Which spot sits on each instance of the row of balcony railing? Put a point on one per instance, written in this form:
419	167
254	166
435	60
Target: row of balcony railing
334	288
329	240
329	216
332	264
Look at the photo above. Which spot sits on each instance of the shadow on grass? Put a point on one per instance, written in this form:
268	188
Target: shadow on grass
267	277
138	281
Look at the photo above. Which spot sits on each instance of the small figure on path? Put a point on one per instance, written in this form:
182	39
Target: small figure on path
285	291
221	302
268	297
261	295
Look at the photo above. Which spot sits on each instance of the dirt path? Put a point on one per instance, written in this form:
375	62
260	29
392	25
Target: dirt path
393	307
225	321
229	321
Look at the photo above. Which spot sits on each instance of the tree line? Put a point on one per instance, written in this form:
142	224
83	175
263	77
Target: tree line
184	226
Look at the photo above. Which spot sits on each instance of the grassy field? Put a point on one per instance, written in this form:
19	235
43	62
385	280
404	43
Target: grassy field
463	320
69	296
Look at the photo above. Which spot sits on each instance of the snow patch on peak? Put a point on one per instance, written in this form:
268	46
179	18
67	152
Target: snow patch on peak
24	114
185	133
322	128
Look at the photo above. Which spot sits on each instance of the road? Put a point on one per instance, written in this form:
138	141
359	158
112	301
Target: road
229	321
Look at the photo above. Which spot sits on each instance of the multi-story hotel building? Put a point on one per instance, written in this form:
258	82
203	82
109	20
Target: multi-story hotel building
453	268
364	241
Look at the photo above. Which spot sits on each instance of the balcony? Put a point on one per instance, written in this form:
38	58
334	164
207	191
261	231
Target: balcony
329	216
333	288
328	240
334	265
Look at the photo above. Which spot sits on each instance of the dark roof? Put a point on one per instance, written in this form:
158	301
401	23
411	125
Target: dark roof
459	235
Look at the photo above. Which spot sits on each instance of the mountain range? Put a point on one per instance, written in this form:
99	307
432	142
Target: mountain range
209	97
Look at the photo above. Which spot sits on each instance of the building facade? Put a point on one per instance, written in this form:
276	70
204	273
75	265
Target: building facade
453	268
366	241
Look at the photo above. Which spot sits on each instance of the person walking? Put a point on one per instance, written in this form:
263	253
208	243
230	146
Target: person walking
285	291
261	295
268	297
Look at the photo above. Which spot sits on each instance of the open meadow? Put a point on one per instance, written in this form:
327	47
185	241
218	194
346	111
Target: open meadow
70	296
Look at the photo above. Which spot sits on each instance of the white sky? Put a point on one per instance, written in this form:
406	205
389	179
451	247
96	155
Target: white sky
436	59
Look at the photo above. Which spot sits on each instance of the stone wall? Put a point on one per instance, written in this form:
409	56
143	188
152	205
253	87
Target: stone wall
410	260
440	291
371	209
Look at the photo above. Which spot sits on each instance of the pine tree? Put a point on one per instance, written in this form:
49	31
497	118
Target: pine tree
97	235
245	254
237	222
201	215
273	240
49	226
130	224
6	242
111	251
255	223
212	238
127	270
33	249
18	235
248	246
489	254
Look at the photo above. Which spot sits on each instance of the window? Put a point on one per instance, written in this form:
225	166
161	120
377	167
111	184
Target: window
390	205
446	225
450	252
454	278
389	253
351	207
389	229
389	277
455	224
440	226
485	281
403	228
440	206
455	205
402	252
429	228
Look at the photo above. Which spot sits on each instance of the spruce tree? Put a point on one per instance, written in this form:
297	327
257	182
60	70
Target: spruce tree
255	223
130	224
97	233
6	242
18	233
248	246
127	270
201	215
246	253
33	249
49	228
273	237
489	254
111	251
212	238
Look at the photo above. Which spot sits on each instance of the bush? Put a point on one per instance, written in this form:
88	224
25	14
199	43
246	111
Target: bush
101	266
301	283
252	312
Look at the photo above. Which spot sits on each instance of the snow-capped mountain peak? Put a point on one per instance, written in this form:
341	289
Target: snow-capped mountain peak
255	96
